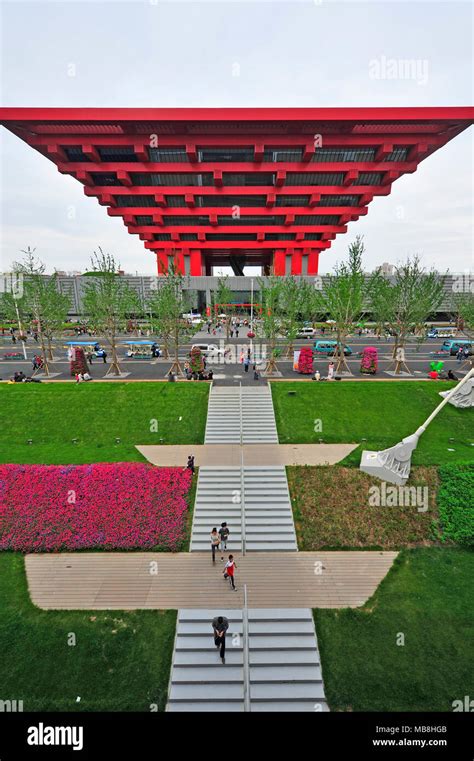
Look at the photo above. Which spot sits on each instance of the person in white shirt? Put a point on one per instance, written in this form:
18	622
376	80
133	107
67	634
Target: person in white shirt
229	571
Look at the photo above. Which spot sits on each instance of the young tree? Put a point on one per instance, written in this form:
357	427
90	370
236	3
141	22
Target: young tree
160	319
55	308
107	300
269	326
296	305
222	298
463	304
14	308
463	309
168	304
343	298
43	299
406	303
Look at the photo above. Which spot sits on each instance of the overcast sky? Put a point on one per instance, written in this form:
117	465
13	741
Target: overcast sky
159	53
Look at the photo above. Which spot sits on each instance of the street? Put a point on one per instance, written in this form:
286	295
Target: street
229	369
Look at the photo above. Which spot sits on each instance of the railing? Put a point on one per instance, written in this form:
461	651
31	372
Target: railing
242	480
246	660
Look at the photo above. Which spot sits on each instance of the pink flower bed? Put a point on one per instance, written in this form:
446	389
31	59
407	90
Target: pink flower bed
124	505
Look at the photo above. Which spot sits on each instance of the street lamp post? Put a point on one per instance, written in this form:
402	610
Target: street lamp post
251	313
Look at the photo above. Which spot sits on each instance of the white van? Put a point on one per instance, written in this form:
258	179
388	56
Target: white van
306	333
207	349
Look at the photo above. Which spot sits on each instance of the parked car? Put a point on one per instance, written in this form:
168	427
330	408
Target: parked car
207	349
328	348
441	333
306	333
453	346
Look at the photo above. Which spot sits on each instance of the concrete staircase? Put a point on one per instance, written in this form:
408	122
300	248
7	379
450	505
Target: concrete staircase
284	672
263	492
272	657
223	424
199	681
217	490
258	417
240	415
268	514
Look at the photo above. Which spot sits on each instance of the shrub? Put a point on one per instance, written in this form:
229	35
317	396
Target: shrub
456	502
46	508
305	360
196	362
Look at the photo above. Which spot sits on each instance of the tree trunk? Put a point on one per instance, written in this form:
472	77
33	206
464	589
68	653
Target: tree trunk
114	365
341	364
50	351
176	366
43	351
271	365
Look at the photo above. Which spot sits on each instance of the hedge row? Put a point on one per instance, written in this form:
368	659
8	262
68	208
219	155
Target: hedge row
456	502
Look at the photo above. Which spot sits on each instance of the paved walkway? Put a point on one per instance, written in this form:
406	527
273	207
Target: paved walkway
105	580
249	454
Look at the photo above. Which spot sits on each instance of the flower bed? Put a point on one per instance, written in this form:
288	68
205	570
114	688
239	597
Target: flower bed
46	508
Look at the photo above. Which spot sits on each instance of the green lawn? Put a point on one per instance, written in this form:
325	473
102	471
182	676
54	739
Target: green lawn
120	662
334	508
52	414
381	412
427	596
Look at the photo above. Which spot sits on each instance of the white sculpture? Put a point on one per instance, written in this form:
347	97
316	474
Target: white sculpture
393	464
464	396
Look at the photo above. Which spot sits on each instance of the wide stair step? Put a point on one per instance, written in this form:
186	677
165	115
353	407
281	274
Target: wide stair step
284	666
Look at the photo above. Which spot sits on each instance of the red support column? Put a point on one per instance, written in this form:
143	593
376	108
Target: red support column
196	264
313	262
179	261
279	262
296	263
162	262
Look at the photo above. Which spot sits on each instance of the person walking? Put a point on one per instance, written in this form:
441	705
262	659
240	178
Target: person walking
89	357
246	363
224	535
241	358
331	371
220	624
190	464
104	356
229	571
237	331
460	354
215	541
